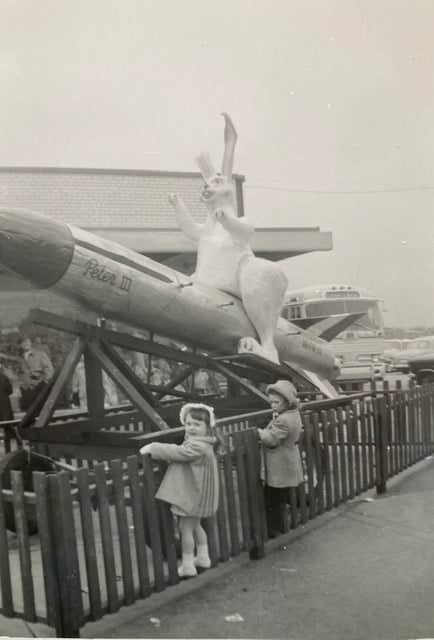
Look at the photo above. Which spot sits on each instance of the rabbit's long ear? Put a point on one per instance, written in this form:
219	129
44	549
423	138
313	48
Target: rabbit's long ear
205	165
230	137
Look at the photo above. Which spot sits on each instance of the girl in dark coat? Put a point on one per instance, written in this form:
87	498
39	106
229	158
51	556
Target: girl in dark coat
5	391
281	456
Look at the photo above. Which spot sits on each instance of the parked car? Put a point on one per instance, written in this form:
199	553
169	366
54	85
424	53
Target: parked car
395	355
362	370
422	367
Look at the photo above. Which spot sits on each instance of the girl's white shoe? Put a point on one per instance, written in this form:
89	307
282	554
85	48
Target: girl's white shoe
187	569
202	560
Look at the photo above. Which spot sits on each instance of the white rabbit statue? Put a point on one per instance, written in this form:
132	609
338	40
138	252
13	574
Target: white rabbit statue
224	257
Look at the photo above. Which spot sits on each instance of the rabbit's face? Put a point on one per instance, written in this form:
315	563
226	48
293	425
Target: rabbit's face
217	192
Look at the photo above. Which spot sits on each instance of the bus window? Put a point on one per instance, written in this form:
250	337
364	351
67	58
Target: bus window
292	313
321	308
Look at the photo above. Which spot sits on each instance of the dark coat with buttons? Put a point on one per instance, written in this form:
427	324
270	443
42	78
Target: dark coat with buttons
281	455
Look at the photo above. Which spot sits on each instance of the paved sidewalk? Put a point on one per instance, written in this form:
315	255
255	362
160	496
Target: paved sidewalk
362	572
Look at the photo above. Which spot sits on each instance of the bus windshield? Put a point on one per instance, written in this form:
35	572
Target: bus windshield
371	320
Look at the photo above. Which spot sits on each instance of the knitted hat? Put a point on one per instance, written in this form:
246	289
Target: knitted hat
285	389
185	410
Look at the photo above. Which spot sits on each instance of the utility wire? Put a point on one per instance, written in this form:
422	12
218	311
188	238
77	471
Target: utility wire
324	191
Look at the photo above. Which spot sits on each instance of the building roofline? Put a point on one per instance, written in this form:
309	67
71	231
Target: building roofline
175	228
133	172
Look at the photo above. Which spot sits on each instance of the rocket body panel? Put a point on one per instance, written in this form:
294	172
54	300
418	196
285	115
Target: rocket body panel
33	247
138	291
121	284
300	349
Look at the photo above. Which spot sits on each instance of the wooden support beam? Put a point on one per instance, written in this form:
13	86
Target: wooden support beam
259	364
244	364
94	385
34	409
235	378
61	379
137	383
72	435
119	378
175	380
167	391
243	371
94	333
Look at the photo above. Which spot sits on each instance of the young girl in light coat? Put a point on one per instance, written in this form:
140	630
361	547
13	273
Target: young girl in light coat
191	482
282	460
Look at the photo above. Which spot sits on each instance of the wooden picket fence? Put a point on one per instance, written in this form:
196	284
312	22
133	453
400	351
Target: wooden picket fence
103	541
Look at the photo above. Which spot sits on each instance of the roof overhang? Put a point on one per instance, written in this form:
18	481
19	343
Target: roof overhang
277	243
173	247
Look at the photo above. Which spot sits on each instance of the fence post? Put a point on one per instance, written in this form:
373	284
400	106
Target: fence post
257	552
428	419
430	442
380	422
65	560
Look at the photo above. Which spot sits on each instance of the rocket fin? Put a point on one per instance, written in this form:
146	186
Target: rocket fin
305	323
329	328
304	375
285	370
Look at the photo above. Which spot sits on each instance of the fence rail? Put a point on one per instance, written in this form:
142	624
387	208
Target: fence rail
103	541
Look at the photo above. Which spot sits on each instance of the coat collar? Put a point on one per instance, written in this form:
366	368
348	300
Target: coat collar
207	439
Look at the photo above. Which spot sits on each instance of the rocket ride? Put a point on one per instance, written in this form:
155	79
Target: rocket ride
121	284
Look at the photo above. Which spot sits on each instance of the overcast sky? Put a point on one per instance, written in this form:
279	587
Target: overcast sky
333	101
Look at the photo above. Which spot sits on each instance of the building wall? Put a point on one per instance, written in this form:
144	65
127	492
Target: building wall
101	199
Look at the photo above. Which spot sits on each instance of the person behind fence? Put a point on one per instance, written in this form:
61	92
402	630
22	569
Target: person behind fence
282	465
6	412
191	482
37	372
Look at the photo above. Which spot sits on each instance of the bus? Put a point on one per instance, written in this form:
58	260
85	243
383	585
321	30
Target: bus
363	341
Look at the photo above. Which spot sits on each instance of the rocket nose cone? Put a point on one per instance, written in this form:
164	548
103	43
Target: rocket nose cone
34	247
